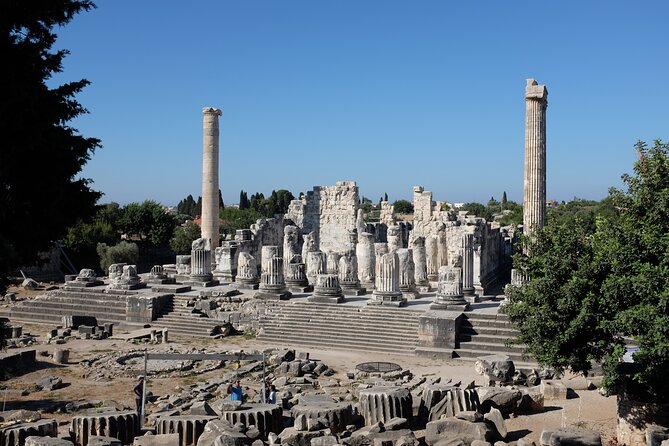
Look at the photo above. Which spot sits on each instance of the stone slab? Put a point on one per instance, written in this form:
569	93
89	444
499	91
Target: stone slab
272	296
327	299
170	289
202	283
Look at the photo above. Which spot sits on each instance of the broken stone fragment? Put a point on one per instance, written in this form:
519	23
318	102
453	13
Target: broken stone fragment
570	437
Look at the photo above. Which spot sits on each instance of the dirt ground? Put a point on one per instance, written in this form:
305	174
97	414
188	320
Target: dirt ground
587	409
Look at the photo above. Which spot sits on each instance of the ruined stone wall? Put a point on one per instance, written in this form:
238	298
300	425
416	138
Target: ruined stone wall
266	232
386	214
330	212
422	204
490	244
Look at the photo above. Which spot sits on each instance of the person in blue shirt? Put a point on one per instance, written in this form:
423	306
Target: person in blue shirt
236	392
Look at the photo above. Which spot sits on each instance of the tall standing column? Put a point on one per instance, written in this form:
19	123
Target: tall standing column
534	197
468	264
210	211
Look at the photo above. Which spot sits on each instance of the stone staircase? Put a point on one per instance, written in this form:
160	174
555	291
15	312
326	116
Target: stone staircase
181	321
51	307
340	327
487	334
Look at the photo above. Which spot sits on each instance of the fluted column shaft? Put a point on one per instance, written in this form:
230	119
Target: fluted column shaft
534	190
468	264
210	186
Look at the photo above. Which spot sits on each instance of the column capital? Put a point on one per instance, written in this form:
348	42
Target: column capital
211	111
535	91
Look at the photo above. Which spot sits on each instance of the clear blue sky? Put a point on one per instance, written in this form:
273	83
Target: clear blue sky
389	94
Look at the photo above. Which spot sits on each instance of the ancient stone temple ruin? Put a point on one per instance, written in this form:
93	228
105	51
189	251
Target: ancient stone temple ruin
323	242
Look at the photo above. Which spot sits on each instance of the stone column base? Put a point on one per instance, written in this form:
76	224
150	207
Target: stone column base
201	283
389	299
326	299
246	284
265	295
300	289
353	291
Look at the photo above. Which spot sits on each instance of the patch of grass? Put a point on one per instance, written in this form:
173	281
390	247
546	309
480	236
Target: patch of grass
250	334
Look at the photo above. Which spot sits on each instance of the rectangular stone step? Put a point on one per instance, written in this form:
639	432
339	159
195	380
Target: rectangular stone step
347	345
477	345
341	322
317	332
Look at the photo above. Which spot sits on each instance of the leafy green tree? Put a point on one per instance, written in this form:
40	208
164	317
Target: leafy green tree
183	237
385	196
403	207
243	200
42	154
187	206
233	219
124	252
515	215
82	239
589	288
504	200
149	221
366	205
478	209
586	210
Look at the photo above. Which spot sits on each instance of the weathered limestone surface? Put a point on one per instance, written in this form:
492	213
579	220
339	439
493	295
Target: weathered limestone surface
348	274
247	271
330	212
200	259
449	292
272	283
316	264
420	262
265	417
454	429
332	262
468	265
407	273
451	402
296	276
394	237
534	189
437	333
366	258
124	277
85	278
226	261
121	425
384	403
337	415
327	289
443	231
157	440
210	185
189	427
387	290
16	435
291	248
47	441
432	257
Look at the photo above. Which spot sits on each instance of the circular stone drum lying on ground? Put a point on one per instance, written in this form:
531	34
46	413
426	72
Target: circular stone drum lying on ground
189	427
16	435
338	415
384	403
121	425
266	417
